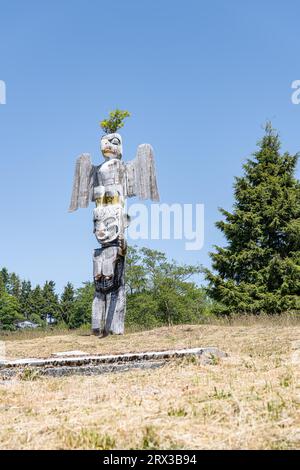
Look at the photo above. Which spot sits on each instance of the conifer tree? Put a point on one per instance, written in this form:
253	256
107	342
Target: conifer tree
51	307
4	274
35	305
67	303
14	285
259	268
2	285
25	298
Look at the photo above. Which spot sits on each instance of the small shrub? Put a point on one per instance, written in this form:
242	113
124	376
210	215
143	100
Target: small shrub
150	439
221	394
179	412
29	374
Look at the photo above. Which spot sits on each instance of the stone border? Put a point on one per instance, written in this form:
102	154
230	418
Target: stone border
111	359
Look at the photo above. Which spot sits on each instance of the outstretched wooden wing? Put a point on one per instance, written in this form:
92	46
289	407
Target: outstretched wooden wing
141	175
83	182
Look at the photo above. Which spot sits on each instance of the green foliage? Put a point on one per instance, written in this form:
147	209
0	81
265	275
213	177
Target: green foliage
35	305
67	303
4	278
39	303
177	412
13	285
25	298
259	269
160	292
29	374
115	121
81	314
2	285
150	439
50	306
142	311
9	311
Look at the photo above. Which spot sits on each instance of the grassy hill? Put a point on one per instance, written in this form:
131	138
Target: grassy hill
249	400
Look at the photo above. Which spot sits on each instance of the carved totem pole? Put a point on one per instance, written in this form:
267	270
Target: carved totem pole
108	185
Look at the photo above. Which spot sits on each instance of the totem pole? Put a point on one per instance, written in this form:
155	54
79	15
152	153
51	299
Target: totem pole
108	185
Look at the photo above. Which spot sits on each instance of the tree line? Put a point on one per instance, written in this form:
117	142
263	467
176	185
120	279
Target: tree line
159	292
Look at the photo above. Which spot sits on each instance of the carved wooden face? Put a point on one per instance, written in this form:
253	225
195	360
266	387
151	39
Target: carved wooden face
108	223
111	146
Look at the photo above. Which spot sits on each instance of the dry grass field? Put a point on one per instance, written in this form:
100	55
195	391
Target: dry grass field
249	400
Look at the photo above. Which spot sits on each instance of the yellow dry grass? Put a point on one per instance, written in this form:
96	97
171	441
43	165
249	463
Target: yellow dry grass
249	400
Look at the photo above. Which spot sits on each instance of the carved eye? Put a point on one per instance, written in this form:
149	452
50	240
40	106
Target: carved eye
110	221
115	141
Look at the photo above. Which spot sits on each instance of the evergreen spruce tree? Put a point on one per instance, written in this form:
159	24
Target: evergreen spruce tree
14	285
259	269
35	305
67	303
25	298
2	285
51	307
4	275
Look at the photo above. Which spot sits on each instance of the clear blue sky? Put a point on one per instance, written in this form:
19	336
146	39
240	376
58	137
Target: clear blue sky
199	77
